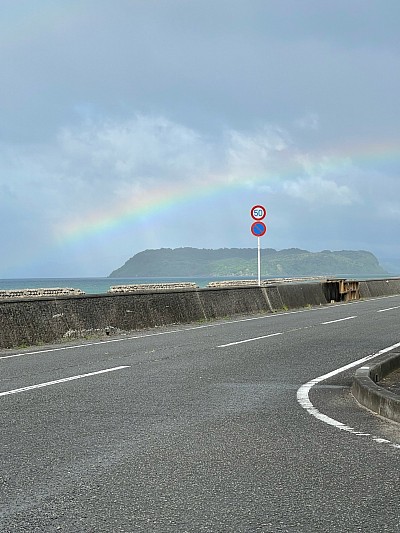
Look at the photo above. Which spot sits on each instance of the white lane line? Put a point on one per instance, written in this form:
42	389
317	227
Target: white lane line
63	380
305	402
388	309
249	340
73	347
339	320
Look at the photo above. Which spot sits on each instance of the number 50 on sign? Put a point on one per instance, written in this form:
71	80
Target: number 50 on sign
258	212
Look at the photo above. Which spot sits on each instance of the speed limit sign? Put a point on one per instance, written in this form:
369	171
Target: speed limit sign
258	212
258	229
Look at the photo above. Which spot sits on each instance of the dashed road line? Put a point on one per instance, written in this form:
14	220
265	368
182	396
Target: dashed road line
338	320
388	309
249	340
63	380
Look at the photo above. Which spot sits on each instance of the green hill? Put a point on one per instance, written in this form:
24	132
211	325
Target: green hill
186	262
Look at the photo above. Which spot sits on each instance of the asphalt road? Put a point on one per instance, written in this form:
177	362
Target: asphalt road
214	427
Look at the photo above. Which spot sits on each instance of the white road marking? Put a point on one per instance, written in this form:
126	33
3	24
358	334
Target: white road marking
305	402
73	347
249	340
63	380
388	309
338	320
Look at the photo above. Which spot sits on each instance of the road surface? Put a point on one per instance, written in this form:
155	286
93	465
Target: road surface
242	425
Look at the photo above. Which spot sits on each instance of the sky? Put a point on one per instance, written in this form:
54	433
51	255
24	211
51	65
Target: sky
128	125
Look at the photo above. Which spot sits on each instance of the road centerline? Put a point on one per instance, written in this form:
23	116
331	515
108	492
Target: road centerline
62	380
249	340
338	320
388	309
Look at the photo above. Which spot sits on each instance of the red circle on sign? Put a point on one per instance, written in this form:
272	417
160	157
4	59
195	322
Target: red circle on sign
258	229
258	212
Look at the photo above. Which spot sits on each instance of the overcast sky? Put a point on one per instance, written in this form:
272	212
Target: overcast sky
135	124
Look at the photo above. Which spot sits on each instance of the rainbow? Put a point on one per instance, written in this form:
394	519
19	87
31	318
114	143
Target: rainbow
382	157
151	204
156	202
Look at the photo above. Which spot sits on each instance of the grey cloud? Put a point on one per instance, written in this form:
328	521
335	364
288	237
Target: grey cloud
205	64
104	101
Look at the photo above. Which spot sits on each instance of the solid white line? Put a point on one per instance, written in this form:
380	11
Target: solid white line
339	320
304	399
388	309
248	340
84	345
64	380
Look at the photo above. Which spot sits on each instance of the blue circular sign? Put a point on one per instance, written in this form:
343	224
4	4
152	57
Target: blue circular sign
258	229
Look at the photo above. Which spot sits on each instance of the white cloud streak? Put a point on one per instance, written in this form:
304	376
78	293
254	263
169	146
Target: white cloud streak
319	192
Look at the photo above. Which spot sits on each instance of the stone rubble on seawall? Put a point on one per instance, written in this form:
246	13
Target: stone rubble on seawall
32	293
121	289
253	282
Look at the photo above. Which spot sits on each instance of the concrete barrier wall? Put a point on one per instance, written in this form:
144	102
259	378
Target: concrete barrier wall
364	290
273	298
35	321
218	303
31	321
370	395
48	320
294	295
379	287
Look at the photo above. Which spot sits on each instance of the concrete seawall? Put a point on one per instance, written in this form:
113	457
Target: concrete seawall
379	287
34	321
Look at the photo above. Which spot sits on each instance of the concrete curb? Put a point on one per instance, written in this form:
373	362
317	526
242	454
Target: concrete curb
370	395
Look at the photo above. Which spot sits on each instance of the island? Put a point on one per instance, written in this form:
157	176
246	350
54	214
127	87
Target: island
231	262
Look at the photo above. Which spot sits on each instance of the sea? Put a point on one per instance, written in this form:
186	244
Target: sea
102	285
96	285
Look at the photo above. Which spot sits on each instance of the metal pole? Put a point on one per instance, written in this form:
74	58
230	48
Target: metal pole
259	262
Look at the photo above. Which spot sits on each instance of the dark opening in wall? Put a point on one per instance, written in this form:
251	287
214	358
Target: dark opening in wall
332	291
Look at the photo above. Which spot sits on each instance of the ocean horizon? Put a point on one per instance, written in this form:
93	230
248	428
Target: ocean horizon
101	285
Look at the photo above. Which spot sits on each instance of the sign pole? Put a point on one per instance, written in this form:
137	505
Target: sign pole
258	229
